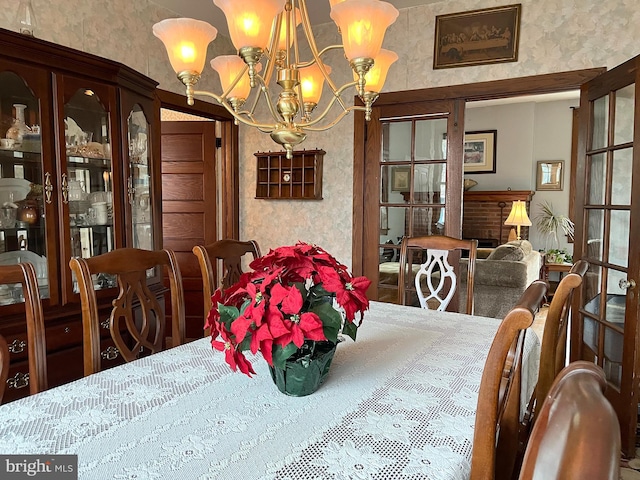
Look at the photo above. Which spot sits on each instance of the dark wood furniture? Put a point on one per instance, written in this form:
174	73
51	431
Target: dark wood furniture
230	252
137	319
24	275
547	268
299	177
69	96
577	433
441	252
496	431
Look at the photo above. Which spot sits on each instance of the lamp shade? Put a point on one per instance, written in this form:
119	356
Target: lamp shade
518	215
363	24
250	21
335	2
311	82
228	68
377	75
186	41
282	39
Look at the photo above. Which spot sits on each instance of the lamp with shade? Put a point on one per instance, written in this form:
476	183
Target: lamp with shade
517	218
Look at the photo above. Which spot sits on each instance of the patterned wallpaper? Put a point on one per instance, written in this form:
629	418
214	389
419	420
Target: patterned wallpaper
555	36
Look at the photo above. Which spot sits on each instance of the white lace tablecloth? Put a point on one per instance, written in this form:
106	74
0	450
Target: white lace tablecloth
398	403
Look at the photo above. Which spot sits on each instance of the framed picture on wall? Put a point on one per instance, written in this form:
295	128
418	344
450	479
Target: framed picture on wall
477	37
550	175
480	151
400	177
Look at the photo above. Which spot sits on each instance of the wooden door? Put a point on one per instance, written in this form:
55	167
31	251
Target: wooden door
413	167
607	216
189	211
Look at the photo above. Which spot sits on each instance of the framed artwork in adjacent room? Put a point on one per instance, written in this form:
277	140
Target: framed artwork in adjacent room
477	37
480	151
400	177
550	175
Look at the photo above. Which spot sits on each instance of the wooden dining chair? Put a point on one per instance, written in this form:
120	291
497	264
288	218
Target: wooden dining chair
435	281
25	275
577	434
137	319
498	413
230	252
554	336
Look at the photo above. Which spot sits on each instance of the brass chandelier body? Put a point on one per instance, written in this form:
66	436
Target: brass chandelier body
291	113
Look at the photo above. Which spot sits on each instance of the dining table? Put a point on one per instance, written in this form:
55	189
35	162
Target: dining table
398	403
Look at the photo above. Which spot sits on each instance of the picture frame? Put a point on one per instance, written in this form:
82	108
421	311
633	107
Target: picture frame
480	151
477	37
400	178
550	175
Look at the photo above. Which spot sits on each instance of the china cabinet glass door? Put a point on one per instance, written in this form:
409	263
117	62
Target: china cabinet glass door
139	181
606	331
23	223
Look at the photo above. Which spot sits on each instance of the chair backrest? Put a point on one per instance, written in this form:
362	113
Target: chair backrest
497	416
554	337
577	434
137	320
231	253
435	281
25	275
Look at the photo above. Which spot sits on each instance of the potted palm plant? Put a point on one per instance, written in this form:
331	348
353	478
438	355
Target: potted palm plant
550	223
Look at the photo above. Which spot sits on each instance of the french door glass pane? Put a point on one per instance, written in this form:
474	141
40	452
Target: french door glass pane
431	139
625	105
396	141
595	232
590	335
600	122
616	298
592	289
396	227
597	179
428	221
612	362
619	238
621	178
429	183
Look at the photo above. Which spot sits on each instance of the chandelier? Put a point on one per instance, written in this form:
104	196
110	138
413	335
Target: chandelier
264	34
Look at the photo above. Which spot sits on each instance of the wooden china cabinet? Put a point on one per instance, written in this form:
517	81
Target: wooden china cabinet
78	160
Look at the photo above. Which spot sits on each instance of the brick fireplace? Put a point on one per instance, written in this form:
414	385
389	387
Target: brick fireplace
484	214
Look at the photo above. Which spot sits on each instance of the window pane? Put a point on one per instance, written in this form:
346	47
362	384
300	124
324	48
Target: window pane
396	141
590	336
612	363
623	123
397	225
595	229
619	238
600	122
428	221
429	183
597	179
616	298
431	140
621	177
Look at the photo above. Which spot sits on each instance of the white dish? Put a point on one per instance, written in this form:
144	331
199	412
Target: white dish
19	187
39	263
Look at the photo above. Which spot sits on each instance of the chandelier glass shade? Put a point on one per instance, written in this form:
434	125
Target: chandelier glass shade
264	32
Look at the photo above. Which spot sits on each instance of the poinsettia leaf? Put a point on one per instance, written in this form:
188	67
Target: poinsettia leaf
302	289
228	314
331	320
350	329
318	291
281	354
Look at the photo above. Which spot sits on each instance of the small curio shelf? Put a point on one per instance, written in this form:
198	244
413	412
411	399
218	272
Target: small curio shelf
297	178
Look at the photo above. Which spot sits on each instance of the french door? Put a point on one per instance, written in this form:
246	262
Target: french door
411	186
607	227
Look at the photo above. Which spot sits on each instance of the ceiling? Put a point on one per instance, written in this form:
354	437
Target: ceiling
207	11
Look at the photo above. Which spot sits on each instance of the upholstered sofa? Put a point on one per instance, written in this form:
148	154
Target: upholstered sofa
501	277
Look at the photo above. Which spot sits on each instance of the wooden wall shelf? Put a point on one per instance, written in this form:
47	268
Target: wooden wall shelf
289	179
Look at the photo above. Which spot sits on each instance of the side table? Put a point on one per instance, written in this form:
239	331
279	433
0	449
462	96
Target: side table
561	268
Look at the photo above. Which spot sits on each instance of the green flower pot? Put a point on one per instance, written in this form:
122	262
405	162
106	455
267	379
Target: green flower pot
303	375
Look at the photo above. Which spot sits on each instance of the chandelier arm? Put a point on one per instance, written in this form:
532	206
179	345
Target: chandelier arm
265	92
336	97
320	54
344	113
220	100
306	25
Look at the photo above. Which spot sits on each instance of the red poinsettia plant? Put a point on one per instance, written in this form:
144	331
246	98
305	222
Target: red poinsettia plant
285	303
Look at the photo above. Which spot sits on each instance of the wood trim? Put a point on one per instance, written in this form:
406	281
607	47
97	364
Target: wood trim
499	196
178	102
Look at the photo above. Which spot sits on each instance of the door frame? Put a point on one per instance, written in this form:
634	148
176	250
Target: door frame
364	183
229	181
